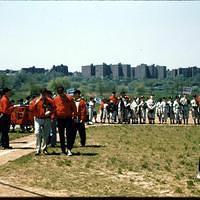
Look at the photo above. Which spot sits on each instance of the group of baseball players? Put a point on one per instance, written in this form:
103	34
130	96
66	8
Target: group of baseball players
139	110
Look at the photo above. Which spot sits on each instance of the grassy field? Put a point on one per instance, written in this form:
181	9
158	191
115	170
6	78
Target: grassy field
122	160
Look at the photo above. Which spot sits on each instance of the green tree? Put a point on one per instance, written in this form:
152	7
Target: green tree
100	87
35	89
64	81
3	81
75	85
140	90
123	88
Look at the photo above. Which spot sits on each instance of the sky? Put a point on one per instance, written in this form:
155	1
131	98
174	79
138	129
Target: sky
77	33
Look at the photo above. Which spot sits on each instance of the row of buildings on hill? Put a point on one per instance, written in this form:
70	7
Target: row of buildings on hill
142	71
59	69
63	69
117	71
124	71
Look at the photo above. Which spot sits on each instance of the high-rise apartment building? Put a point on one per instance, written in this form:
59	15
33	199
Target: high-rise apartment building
161	72
102	71
116	71
88	71
126	69
141	71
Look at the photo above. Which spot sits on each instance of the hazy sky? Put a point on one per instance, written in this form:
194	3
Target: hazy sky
84	32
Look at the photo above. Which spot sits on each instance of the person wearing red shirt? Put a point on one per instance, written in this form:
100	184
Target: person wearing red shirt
114	99
101	109
1	94
6	109
81	117
65	112
43	111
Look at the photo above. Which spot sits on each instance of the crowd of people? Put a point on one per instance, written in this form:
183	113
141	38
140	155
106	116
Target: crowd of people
69	113
65	112
139	110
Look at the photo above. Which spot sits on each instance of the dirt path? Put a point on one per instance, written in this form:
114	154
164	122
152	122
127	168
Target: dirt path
21	146
7	189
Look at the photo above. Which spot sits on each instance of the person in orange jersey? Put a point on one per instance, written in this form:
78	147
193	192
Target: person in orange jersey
113	98
43	111
65	112
101	109
81	117
6	109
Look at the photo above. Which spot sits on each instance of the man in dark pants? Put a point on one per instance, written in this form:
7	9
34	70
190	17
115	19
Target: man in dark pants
81	116
65	112
6	109
1	94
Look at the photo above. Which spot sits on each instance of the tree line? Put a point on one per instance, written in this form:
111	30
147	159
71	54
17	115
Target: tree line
25	84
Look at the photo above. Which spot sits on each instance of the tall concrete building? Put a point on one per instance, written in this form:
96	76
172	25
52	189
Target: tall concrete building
141	71
174	73
151	71
132	73
195	71
144	71
102	71
112	71
126	69
116	71
185	72
161	72
88	71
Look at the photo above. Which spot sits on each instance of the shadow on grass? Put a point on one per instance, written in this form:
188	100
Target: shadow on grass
18	142
73	154
23	148
95	145
91	145
83	154
53	153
